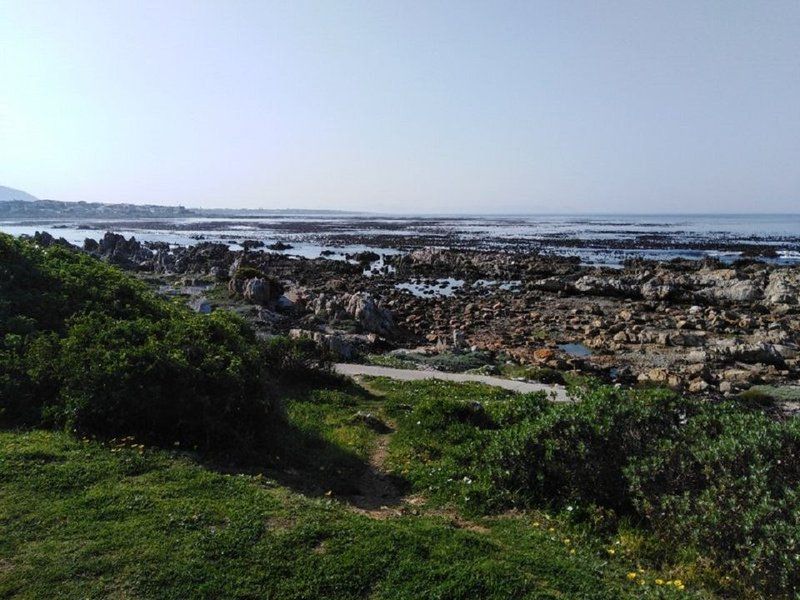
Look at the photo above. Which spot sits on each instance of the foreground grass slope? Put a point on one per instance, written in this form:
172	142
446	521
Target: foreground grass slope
83	520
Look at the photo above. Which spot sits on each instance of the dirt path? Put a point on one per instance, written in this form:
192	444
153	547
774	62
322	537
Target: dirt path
556	392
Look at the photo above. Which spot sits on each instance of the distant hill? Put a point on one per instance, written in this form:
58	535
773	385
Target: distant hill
54	209
8	194
16	204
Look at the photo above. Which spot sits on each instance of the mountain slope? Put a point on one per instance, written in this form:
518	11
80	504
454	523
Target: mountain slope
7	194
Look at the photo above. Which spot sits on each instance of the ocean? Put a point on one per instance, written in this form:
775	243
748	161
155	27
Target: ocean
595	239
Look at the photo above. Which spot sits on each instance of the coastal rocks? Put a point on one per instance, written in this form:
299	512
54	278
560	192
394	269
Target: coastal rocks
204	257
200	305
363	308
606	286
659	288
741	291
279	246
365	257
126	253
45	240
783	288
262	291
359	307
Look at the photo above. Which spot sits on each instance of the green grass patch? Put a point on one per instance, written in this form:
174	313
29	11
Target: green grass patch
83	520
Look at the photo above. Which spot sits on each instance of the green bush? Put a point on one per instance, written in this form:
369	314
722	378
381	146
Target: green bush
577	452
720	479
730	486
197	380
245	272
41	288
298	360
86	347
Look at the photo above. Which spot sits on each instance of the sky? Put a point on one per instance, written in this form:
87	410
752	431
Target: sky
457	107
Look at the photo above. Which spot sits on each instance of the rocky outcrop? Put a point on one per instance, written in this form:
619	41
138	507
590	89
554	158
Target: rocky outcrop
262	291
359	307
116	249
365	311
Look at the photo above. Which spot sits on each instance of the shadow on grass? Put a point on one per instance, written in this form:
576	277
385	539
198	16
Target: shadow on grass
302	460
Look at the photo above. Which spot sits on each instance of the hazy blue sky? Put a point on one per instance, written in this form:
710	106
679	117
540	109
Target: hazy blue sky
405	106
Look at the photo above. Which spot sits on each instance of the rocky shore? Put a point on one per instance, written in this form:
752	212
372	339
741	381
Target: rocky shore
702	327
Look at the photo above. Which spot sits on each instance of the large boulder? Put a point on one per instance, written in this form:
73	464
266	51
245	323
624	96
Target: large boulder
365	311
735	291
262	291
783	288
359	307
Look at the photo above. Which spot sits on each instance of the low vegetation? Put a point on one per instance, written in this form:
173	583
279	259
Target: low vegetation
720	482
151	452
87	348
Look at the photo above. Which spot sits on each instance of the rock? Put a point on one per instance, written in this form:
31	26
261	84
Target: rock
252	244
737	375
656	375
262	291
697	356
363	308
459	339
280	246
658	289
117	250
364	257
201	305
783	288
736	291
697	385
44	239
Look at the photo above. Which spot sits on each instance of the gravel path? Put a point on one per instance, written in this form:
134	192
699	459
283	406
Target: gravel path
556	392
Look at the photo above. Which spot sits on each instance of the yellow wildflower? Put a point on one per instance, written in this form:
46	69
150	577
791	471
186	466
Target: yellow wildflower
632	575
659	582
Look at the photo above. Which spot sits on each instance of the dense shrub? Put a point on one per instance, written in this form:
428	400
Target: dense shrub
40	288
297	360
87	347
577	452
723	479
730	485
199	380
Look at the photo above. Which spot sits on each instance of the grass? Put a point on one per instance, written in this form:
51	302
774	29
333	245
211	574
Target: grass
451	362
84	519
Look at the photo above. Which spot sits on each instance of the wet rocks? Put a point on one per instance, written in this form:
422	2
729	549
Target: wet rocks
365	257
279	246
116	249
